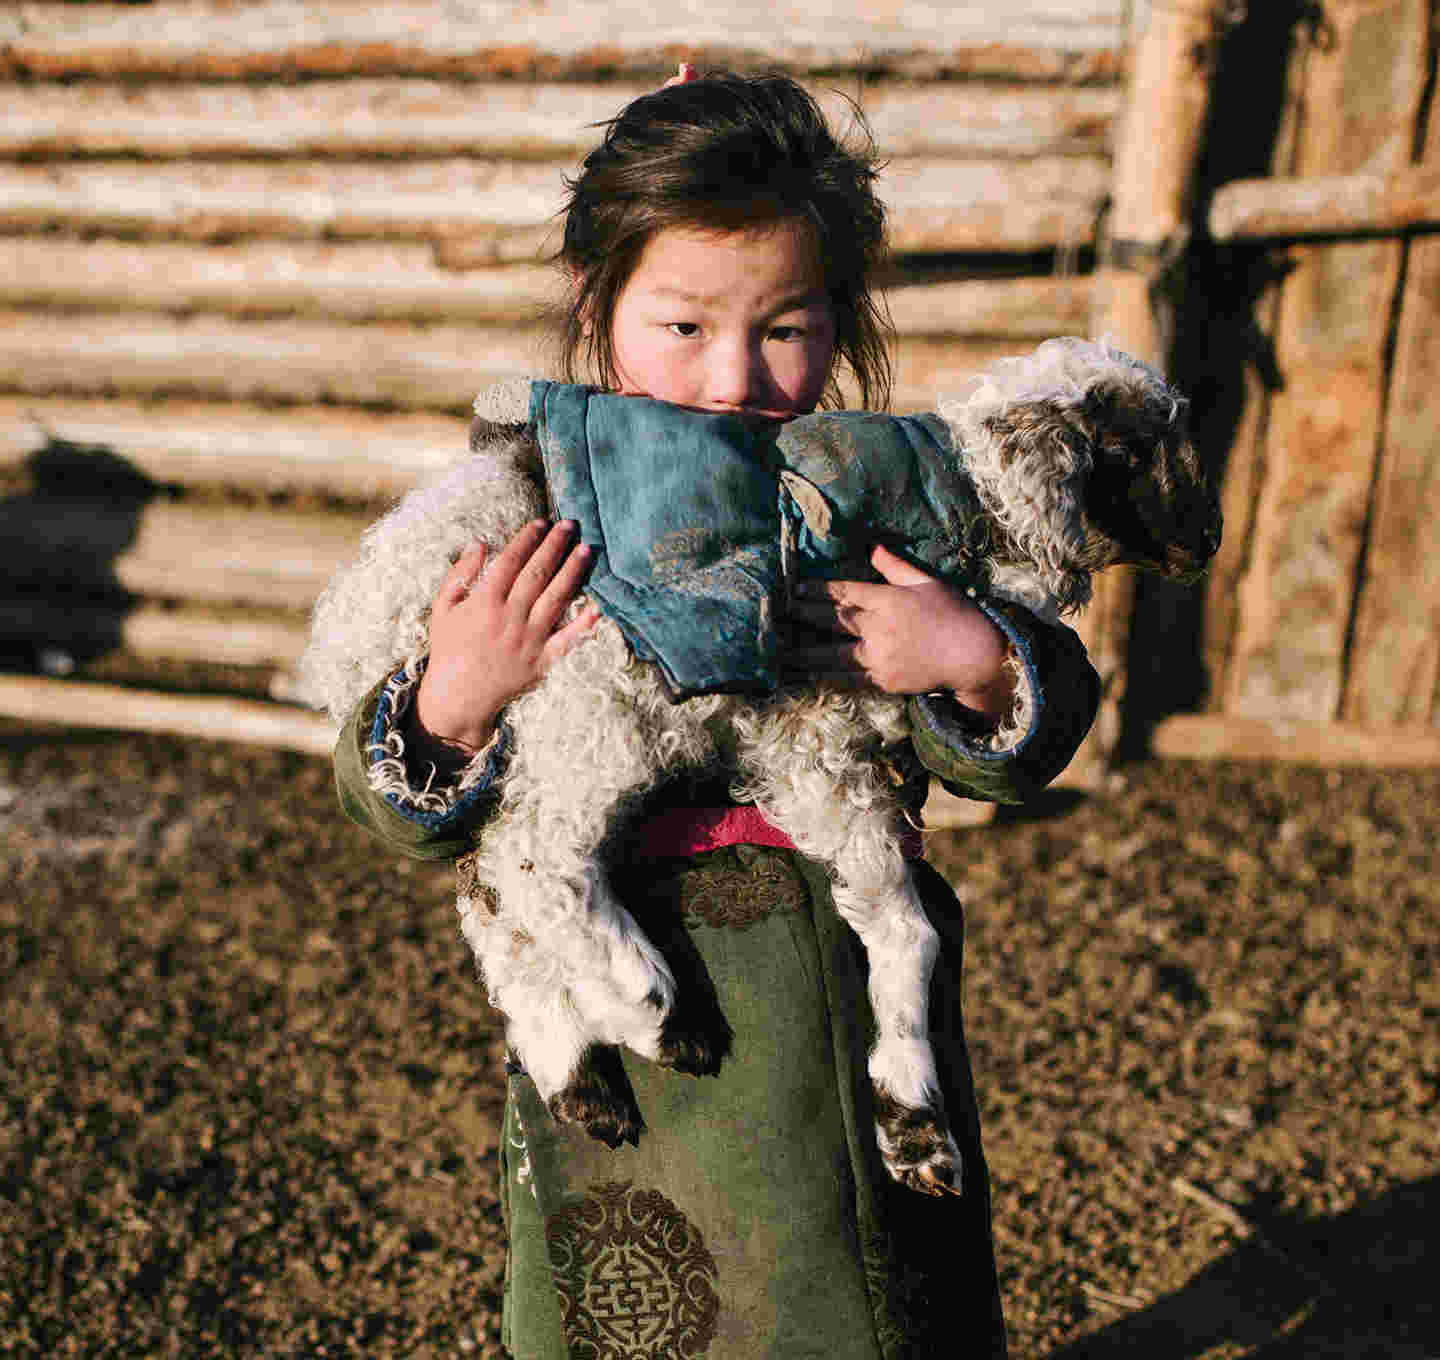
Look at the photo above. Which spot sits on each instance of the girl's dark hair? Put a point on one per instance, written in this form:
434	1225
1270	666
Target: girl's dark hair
728	152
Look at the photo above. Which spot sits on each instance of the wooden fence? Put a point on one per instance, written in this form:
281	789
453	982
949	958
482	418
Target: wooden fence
255	259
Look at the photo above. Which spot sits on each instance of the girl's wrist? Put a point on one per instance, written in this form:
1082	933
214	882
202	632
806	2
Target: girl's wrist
983	679
448	755
451	737
992	702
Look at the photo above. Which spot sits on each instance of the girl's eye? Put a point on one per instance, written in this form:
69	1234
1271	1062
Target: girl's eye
685	329
787	332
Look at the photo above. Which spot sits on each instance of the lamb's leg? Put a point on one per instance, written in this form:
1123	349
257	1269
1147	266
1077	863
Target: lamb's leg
910	1124
598	1096
654	997
545	1029
561	1007
848	825
695	1037
573	972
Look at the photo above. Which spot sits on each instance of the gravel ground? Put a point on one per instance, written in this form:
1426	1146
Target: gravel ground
251	1087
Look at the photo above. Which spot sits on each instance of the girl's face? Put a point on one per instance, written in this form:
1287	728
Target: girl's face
726	321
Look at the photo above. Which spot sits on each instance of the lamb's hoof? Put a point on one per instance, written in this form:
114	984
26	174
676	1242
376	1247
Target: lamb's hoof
917	1148
695	1038
600	1099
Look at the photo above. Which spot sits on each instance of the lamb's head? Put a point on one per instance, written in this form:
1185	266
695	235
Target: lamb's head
1083	455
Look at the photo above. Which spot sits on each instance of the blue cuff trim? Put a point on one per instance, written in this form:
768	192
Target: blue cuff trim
467	802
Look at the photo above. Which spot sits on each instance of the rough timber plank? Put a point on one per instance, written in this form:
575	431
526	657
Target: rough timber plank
1361	98
390	363
1395	657
1168	88
1238	496
431	118
210	200
361	280
208	717
1295	599
355	280
1025	309
1073	40
172	550
508	207
1197	736
350	453
1245	460
1327	205
226	637
928	368
382	363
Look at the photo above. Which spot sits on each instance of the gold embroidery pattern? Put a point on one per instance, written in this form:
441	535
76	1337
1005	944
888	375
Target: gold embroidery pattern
735	897
634	1275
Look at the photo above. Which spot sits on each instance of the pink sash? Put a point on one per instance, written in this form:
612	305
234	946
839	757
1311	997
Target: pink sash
687	831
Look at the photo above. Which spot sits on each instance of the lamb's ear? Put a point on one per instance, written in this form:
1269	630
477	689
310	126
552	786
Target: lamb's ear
1030	464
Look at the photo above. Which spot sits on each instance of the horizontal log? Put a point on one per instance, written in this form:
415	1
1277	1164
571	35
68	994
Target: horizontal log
1327	205
1014	309
397	279
355	280
1216	736
210	200
355	454
927	369
72	703
431	118
151	631
391	363
1072	40
170	550
499	211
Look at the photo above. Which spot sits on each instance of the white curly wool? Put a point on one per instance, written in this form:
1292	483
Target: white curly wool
373	616
562	957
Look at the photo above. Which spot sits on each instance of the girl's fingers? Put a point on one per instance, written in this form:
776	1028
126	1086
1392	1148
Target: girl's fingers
826	662
896	570
833	615
515	556
563	639
564	586
533	579
461	577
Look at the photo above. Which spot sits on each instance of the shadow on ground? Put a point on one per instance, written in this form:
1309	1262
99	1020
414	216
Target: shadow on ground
1361	1283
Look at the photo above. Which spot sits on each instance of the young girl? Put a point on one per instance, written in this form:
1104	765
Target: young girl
721	247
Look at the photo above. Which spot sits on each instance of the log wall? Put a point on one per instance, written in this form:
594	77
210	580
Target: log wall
256	257
261	255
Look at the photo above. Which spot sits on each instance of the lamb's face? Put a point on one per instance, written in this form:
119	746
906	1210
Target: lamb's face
1148	499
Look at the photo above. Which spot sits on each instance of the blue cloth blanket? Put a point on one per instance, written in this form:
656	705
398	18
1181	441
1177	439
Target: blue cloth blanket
701	522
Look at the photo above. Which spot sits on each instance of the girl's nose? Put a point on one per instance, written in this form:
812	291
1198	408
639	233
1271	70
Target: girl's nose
734	375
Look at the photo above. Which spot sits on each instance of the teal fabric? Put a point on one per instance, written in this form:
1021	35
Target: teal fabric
685	509
680	508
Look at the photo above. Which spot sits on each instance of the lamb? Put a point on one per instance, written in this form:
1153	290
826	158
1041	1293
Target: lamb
1073	459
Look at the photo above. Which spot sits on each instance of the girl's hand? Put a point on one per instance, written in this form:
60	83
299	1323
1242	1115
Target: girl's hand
910	635
494	637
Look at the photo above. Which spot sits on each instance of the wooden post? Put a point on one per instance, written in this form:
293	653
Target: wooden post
1362	93
1394	666
1161	122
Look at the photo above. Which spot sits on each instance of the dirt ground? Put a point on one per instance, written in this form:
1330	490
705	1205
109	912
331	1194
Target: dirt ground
251	1087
